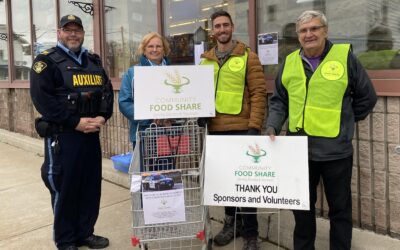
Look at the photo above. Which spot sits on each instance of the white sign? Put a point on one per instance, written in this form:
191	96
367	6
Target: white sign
268	48
163	198
253	171
174	92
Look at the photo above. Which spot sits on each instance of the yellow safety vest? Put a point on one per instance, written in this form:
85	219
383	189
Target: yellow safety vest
229	82
317	108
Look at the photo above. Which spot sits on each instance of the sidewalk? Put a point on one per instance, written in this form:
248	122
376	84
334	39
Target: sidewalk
26	218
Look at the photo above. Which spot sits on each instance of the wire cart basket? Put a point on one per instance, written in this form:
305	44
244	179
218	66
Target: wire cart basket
163	151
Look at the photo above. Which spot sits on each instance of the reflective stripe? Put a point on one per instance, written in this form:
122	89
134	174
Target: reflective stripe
51	180
50	174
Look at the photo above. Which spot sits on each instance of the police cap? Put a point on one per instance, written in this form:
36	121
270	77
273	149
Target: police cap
70	19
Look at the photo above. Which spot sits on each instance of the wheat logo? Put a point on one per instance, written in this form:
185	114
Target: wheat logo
176	81
164	202
256	153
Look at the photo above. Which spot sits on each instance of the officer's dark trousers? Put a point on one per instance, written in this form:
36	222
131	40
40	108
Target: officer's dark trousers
336	176
73	176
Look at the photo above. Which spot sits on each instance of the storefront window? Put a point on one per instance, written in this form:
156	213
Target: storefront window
187	22
80	9
44	25
21	39
126	24
371	26
3	43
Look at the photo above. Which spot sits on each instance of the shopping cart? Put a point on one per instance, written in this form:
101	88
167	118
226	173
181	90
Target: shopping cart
168	150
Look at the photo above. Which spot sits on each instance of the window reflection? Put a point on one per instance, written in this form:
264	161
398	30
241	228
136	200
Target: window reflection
3	43
44	25
67	7
21	39
126	24
349	22
187	23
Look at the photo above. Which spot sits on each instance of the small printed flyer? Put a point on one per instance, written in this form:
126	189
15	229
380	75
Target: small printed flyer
163	197
268	48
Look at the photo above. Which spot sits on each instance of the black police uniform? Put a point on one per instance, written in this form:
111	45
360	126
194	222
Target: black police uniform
63	91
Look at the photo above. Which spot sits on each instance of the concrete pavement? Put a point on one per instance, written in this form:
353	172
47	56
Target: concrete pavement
26	218
26	215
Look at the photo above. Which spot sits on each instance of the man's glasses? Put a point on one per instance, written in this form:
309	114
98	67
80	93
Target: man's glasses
312	29
70	31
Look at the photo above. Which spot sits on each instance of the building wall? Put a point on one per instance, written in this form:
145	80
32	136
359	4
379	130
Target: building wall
376	168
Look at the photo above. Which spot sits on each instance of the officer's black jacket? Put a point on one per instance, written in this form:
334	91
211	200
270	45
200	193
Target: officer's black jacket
50	90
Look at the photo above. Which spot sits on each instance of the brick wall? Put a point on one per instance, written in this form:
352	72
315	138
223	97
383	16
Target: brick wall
376	168
4	109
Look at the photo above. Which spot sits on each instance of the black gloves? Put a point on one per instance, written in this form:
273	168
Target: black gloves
253	131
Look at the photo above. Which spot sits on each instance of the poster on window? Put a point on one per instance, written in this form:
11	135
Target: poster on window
174	92
268	48
256	172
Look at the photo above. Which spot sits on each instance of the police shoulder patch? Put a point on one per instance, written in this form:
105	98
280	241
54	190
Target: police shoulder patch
39	66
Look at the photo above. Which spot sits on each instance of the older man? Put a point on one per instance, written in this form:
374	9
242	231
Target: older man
322	89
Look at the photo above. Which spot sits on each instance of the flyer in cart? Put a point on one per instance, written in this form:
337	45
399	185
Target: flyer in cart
163	197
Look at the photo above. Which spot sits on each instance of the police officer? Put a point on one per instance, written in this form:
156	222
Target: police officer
240	108
72	92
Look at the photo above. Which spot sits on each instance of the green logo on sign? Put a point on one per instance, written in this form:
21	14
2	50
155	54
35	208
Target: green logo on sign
176	81
256	153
